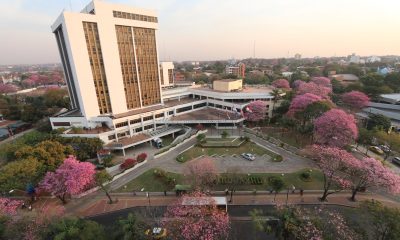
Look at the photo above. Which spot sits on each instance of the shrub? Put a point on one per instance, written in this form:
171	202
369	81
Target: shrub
160	173
278	158
128	163
306	176
255	180
107	161
224	134
141	157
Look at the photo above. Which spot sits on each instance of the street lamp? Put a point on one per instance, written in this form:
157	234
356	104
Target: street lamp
147	195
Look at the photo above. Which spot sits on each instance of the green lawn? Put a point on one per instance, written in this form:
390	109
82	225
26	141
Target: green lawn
150	182
167	140
248	147
220	142
290	137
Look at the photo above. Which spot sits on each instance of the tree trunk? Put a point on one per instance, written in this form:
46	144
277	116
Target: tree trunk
353	194
324	195
62	198
276	192
109	197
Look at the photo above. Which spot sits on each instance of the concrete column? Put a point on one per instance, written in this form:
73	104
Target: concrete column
123	152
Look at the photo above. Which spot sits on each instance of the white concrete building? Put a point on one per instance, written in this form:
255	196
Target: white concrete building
120	92
167	73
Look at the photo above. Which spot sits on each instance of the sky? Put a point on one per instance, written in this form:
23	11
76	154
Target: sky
199	30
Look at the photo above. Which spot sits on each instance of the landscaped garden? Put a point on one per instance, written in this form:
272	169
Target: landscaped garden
218	149
157	180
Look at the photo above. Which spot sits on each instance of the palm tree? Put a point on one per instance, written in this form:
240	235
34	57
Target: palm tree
132	228
276	93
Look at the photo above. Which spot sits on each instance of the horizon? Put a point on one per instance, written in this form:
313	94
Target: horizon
186	27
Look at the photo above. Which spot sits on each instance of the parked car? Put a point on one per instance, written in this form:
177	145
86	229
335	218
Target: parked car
385	148
248	156
376	150
396	160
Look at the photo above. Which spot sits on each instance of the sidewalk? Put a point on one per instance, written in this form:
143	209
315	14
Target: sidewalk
128	200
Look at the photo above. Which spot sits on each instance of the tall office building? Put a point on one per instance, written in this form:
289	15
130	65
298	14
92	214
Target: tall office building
110	59
121	94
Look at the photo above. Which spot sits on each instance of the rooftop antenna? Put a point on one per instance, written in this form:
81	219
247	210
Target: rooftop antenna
254	49
70	5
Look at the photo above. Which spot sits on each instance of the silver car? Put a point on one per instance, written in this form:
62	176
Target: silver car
248	156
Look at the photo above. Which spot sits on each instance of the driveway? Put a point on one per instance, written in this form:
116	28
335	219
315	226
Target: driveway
262	164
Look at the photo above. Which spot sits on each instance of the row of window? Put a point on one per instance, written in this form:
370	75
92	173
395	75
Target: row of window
136	130
133	16
138	120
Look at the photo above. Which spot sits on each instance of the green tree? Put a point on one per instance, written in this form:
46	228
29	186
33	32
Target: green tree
276	93
131	228
277	184
365	137
393	81
50	153
385	221
373	85
101	178
85	148
224	134
18	174
75	229
379	122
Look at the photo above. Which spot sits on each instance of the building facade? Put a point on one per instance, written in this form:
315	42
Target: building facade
238	70
120	92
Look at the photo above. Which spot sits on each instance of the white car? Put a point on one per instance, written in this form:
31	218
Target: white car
396	160
248	156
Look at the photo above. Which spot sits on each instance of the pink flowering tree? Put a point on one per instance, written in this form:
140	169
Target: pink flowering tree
7	88
196	216
333	163
255	111
322	81
9	206
335	128
300	102
201	173
369	173
315	89
355	99
72	177
281	83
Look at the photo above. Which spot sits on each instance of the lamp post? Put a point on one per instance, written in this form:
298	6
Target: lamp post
147	195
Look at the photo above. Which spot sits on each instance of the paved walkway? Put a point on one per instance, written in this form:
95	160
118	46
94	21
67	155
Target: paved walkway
101	206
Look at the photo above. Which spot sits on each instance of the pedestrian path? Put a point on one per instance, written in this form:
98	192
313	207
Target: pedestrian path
101	206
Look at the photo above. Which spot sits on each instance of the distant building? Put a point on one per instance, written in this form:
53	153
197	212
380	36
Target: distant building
373	59
237	70
297	56
345	78
388	106
179	77
7	77
384	71
228	85
287	74
353	58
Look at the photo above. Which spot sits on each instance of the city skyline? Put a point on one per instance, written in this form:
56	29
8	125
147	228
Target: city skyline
205	30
